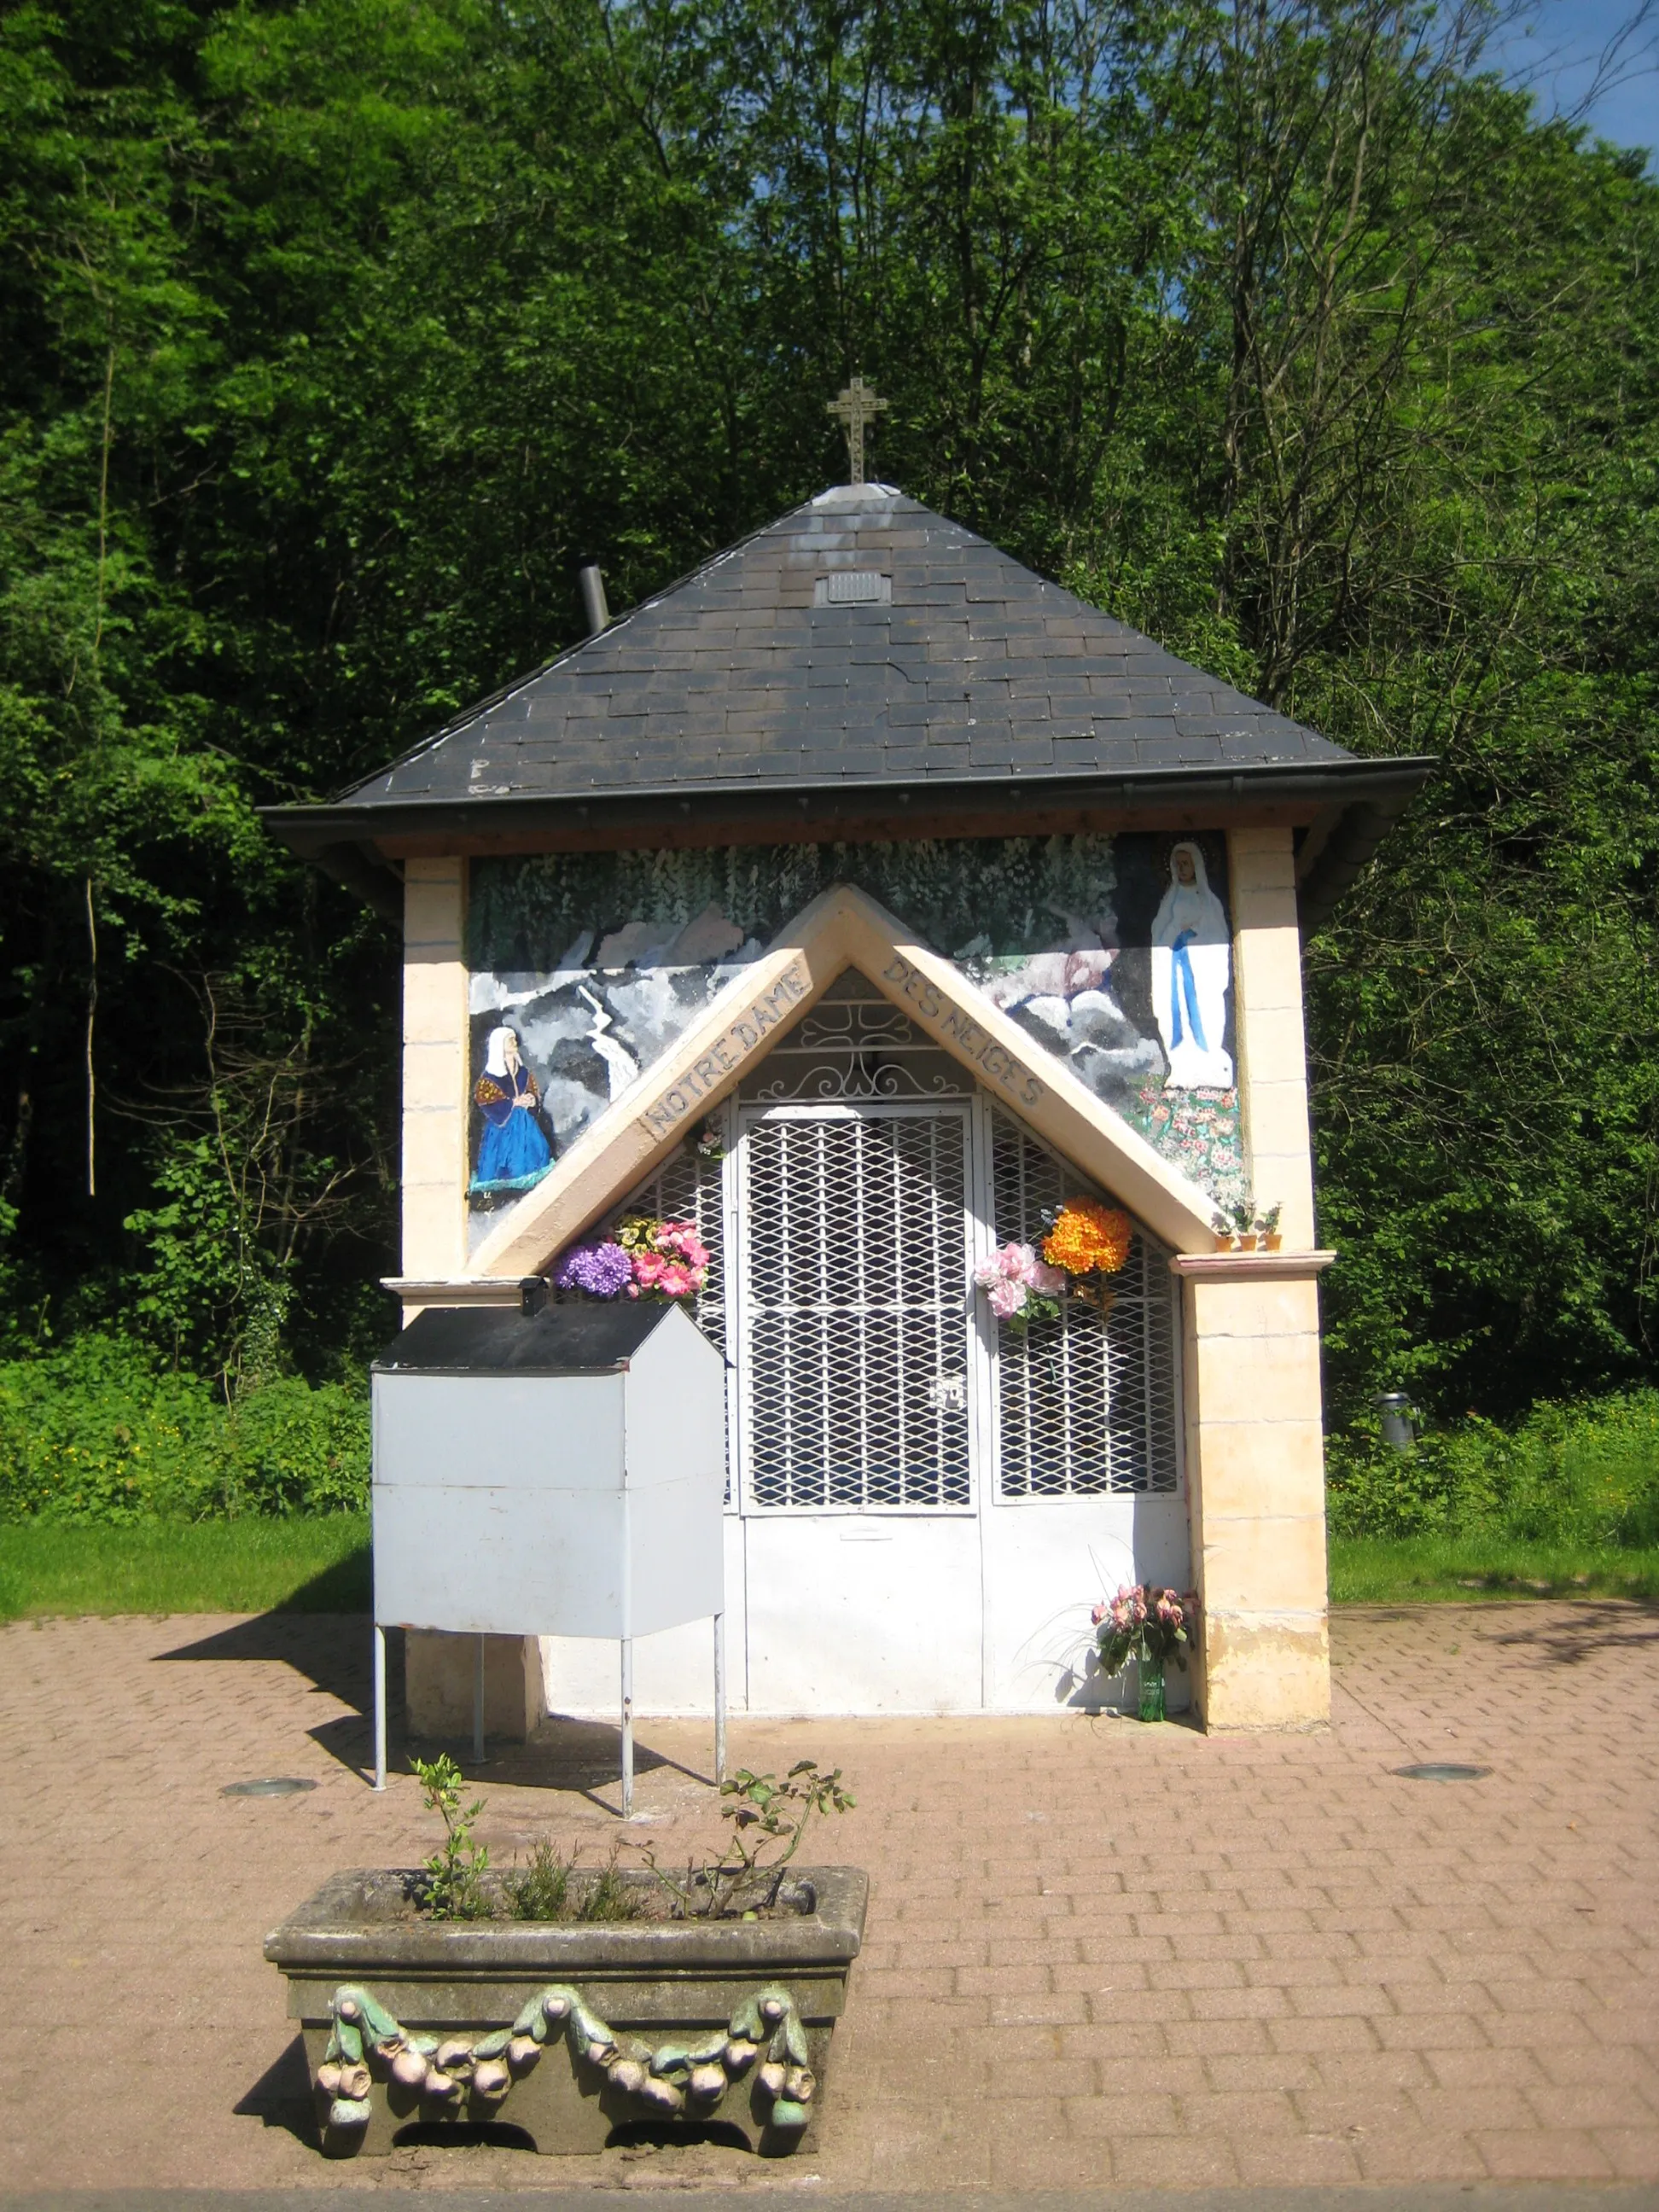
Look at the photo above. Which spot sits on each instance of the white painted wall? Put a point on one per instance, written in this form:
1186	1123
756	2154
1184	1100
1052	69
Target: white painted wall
898	1613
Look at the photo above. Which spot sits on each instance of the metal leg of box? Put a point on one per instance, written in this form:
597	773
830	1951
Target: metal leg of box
379	1706
477	1703
628	1728
719	1698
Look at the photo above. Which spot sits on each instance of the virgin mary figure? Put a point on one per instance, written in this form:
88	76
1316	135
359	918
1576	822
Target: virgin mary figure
514	1153
1192	966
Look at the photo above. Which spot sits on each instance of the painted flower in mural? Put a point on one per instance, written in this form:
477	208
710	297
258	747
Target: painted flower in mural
514	1153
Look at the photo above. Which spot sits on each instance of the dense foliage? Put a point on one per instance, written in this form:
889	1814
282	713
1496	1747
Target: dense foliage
100	1430
333	332
1583	1475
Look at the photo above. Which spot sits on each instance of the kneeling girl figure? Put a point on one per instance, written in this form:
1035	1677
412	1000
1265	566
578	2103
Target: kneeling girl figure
514	1153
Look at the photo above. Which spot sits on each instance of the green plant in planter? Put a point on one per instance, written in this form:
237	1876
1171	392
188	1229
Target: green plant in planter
544	1889
454	1873
768	1819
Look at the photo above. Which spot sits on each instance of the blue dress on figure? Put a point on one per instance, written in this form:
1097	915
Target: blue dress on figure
514	1153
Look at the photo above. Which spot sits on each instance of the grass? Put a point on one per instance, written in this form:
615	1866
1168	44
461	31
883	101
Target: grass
320	1564
1455	1569
306	1563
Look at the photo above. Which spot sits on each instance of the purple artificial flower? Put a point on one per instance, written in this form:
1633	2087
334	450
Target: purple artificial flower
604	1271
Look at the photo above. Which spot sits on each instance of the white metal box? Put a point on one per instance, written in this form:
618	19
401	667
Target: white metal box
559	1474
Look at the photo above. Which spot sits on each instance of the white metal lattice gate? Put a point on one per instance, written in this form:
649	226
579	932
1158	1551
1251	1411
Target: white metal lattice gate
855	1333
867	1381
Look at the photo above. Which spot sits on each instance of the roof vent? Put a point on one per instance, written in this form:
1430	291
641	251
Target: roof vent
593	600
853	587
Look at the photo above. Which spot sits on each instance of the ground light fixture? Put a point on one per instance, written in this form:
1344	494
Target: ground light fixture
1442	1770
268	1785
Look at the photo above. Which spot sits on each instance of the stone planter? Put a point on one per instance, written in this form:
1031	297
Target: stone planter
567	2031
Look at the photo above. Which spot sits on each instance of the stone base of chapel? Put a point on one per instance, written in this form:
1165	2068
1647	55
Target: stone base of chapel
439	1677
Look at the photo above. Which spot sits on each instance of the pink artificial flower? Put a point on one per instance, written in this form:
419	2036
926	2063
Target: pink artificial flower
1100	1613
680	1239
675	1279
1007	1266
1046	1281
1006	1299
648	1269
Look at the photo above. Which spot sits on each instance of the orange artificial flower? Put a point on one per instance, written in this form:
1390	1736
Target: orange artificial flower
1089	1238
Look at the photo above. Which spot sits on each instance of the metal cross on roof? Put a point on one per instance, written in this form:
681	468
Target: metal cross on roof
857	406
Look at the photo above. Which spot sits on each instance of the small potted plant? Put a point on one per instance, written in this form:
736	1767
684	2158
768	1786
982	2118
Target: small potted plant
1243	1222
1266	1228
1152	1626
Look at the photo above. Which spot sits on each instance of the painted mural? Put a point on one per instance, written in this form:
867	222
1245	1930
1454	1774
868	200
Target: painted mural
1113	954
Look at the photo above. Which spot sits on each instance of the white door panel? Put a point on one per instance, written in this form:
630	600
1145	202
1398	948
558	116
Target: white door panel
848	1615
1046	1565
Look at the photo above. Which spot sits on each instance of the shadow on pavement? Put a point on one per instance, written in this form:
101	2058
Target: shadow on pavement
1566	1638
334	1652
282	2097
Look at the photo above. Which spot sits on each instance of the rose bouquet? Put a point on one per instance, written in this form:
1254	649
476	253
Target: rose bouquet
643	1259
1146	1622
1020	1288
668	1257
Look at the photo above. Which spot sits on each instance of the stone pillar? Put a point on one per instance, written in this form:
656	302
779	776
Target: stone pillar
1254	1434
436	1053
1271	1043
437	1057
439	1677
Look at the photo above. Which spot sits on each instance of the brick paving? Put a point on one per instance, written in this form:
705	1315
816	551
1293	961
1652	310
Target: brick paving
1098	1955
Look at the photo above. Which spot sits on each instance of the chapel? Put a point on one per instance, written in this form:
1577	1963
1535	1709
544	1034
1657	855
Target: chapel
863	901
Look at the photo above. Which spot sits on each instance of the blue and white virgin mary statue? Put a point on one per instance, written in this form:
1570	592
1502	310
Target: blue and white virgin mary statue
514	1153
1192	968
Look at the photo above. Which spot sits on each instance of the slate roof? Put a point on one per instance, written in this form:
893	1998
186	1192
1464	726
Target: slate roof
860	667
737	676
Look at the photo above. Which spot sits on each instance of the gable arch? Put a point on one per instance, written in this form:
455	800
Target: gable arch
840	929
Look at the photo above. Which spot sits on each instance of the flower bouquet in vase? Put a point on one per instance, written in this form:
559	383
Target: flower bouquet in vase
1150	1624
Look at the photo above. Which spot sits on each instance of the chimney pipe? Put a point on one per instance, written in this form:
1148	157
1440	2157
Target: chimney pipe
593	600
